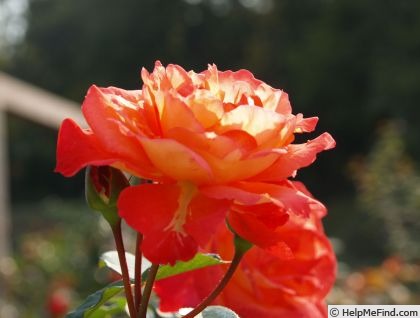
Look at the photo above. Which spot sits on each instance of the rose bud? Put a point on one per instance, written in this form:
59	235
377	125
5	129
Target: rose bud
103	185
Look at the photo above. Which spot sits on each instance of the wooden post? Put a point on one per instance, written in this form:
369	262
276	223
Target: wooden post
4	190
37	105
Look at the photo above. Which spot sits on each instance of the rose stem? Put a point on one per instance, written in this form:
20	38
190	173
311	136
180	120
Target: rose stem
228	275
116	230
148	290
137	272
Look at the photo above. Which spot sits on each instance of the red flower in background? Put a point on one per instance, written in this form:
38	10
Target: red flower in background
217	144
291	284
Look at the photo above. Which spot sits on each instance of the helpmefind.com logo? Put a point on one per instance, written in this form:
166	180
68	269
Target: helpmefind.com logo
362	311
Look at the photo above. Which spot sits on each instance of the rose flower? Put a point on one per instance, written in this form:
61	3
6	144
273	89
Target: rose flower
215	144
291	283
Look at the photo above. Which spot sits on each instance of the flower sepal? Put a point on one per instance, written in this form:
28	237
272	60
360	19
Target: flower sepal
241	245
103	186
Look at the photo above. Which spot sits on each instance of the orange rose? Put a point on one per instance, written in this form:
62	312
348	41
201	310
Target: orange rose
209	140
292	283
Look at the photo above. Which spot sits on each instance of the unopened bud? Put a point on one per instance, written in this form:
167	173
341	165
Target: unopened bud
103	186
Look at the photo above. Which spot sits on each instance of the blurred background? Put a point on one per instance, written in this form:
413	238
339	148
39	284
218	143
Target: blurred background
353	63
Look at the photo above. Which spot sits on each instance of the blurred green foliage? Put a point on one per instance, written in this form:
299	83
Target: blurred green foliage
392	281
56	257
382	218
389	189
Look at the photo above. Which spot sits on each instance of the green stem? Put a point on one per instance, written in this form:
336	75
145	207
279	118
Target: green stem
148	290
228	275
116	230
137	272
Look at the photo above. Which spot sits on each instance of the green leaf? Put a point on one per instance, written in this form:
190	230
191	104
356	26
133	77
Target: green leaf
113	308
209	312
198	261
110	259
91	308
96	300
218	312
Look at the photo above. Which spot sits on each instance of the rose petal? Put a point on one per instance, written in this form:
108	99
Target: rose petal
258	122
298	156
253	229
179	79
77	148
318	209
231	168
205	215
219	146
230	192
284	196
177	114
168	247
264	285
284	106
173	218
274	99
187	289
245	76
116	122
207	108
176	161
149	209
242	140
267	213
305	124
